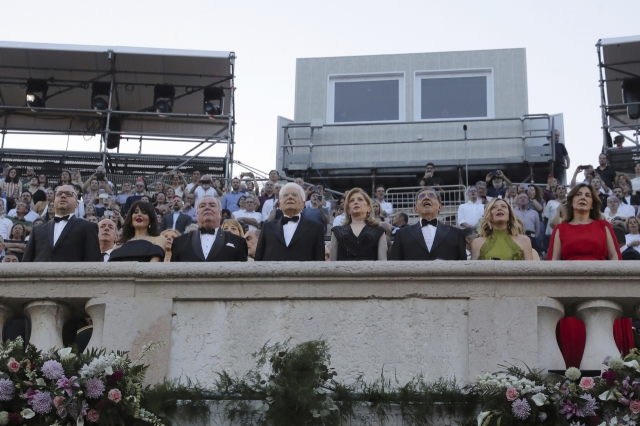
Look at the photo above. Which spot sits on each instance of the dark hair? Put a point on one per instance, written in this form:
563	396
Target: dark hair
380	186
16	179
619	231
24	231
128	231
404	216
594	214
225	211
431	164
428	188
240	198
467	232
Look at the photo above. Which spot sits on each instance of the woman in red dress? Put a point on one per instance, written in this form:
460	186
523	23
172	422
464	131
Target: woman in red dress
585	235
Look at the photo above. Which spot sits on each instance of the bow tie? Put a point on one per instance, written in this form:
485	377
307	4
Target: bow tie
286	220
432	222
208	231
57	219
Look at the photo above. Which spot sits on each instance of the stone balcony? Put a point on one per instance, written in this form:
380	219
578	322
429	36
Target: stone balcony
442	319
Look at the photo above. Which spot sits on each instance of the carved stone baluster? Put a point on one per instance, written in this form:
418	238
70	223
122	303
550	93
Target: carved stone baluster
96	309
47	318
550	311
598	317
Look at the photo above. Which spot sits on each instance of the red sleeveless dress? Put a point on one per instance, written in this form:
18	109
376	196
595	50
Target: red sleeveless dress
586	242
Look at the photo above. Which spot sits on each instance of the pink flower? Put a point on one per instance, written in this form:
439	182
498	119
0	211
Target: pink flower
93	416
587	383
634	406
58	400
512	394
115	395
13	365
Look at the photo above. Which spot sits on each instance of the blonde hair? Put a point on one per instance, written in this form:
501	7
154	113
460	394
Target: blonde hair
233	222
370	219
514	224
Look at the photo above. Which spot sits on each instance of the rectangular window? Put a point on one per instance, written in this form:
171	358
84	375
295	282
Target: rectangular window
452	95
365	98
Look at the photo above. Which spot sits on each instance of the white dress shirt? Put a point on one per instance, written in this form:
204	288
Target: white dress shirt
176	215
5	227
338	220
267	208
289	229
387	207
200	192
429	233
624	210
253	215
107	255
58	228
207	242
631	238
470	213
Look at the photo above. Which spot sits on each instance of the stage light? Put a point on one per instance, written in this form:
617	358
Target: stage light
630	94
213	100
100	96
163	95
36	93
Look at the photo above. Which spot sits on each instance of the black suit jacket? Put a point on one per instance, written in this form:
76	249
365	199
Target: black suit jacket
183	221
307	243
78	242
409	244
226	248
630	254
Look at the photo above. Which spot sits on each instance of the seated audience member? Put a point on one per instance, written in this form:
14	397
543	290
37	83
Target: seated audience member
209	243
175	219
469	235
89	211
191	228
158	188
37	193
252	238
124	193
428	239
535	198
316	212
482	192
628	253
384	205
21	211
400	220
511	196
470	213
18	232
10	258
632	239
248	215
99	203
583	233
381	216
2	248
529	218
340	216
430	178
161	200
625	207
141	237
232	225
11	187
550	191
30	215
50	212
501	234
93	219
5	224
499	184
293	237
195	178
41	206
613	209
596	183
107	236
189	207
170	194
169	235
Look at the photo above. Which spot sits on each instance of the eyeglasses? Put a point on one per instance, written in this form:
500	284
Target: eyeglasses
205	182
65	193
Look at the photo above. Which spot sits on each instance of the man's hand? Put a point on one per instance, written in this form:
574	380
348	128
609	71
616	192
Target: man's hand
634	243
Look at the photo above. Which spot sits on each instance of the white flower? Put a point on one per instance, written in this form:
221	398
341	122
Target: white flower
633	364
4	418
80	421
65	353
27	413
539	399
482	416
40	382
616	363
603	424
572	373
604	396
614	420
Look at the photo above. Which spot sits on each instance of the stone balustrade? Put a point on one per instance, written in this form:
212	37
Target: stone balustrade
442	319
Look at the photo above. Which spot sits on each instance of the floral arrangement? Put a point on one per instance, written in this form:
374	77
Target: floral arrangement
64	387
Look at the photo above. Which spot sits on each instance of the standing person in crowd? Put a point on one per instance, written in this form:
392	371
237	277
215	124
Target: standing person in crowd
470	213
274	176
230	201
91	191
209	243
428	239
140	190
535	198
158	188
292	237
50	212
596	183
37	194
195	178
101	176
178	182
248	215
65	178
269	205
583	233
125	193
89	212
430	178
189	207
141	240
5	224
161	200
26	181
30	215
501	234
169	194
511	196
562	162
176	220
550	191
381	216
606	172
384	205
316	212
67	238
11	187
107	236
169	235
635	182
551	209
529	218
269	194
499	183
360	238
233	226
4	172
482	192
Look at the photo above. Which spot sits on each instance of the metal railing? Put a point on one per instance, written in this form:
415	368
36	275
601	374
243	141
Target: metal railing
403	200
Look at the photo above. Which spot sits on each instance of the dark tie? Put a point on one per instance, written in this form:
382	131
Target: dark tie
432	222
208	231
286	220
57	219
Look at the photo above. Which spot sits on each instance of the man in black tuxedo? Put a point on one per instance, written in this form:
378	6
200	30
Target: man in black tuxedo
67	238
209	243
428	239
176	219
293	237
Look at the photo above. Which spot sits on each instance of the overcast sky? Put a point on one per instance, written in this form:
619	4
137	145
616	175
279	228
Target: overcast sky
268	36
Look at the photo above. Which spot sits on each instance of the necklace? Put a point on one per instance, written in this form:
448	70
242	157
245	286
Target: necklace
582	223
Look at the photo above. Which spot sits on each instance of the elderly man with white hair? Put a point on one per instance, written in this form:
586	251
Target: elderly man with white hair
293	237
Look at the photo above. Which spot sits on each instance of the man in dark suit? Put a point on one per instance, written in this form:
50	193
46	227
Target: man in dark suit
428	239
176	219
293	237
209	243
67	238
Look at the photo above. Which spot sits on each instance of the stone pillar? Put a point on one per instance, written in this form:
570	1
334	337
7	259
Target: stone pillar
598	317
550	311
96	310
47	318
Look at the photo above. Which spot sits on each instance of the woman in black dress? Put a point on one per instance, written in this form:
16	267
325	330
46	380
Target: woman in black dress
142	240
360	237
